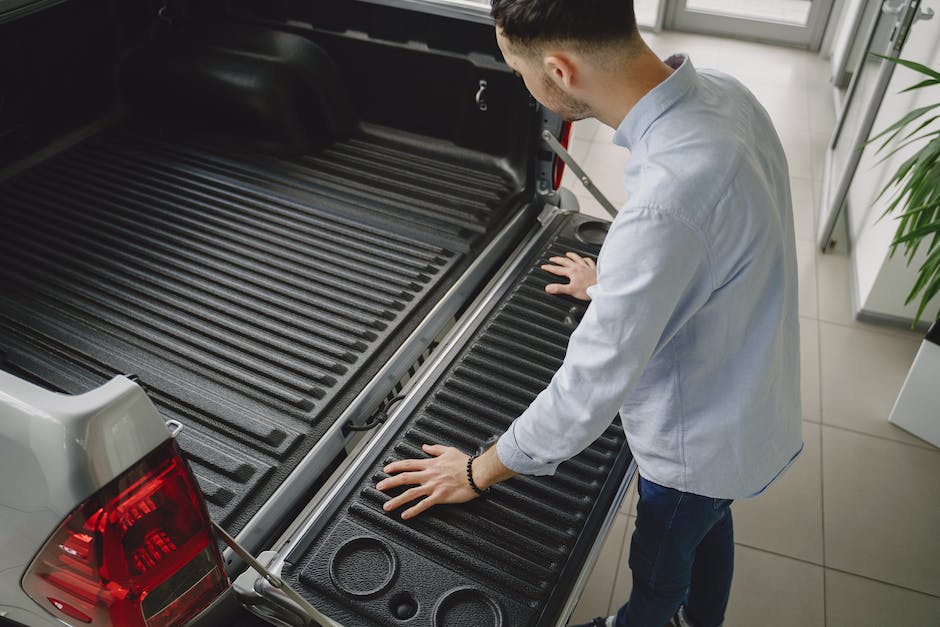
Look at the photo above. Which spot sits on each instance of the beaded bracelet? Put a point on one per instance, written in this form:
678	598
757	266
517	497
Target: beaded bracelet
470	476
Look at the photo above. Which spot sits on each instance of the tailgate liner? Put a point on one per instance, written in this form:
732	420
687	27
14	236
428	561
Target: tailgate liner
508	559
253	296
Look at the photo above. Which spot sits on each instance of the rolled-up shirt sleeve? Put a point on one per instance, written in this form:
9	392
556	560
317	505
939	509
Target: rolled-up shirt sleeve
653	273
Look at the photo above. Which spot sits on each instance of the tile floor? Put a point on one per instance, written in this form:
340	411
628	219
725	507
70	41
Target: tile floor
850	536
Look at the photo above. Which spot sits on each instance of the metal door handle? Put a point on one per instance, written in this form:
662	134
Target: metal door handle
895	8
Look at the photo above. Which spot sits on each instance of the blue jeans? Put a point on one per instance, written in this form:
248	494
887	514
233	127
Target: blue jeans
682	553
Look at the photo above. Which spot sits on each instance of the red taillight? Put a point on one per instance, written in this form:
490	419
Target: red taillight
558	166
140	552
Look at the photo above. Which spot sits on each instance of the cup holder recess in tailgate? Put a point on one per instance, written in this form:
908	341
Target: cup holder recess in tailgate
467	606
363	566
592	232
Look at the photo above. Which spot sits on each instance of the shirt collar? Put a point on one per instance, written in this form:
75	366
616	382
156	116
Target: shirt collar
656	101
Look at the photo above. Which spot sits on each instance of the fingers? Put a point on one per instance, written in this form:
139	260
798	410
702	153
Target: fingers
563	261
569	261
557	270
405	478
405	497
424	505
559	288
439	479
405	465
581	261
434	449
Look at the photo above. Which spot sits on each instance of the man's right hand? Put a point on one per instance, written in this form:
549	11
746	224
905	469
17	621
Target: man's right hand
581	273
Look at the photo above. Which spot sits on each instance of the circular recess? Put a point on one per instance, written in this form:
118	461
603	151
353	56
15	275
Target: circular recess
593	231
467	607
403	606
363	566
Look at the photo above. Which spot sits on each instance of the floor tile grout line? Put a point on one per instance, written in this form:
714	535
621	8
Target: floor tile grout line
822	458
819	321
924	447
885	331
626	497
779	554
882	582
613	584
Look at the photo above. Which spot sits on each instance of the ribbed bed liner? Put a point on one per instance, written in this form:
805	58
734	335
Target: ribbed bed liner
508	559
253	296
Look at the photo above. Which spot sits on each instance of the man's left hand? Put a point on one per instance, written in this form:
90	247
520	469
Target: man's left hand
439	479
581	273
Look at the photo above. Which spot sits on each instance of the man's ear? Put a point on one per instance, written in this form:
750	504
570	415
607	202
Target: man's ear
561	68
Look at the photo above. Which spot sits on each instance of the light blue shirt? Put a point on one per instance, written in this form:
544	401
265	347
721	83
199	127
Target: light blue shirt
692	332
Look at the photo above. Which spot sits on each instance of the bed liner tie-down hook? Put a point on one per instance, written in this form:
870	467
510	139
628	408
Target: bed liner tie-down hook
164	13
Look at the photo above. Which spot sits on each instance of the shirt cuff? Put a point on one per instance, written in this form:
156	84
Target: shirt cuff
517	460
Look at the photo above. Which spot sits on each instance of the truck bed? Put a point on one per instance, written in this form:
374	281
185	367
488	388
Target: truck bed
252	296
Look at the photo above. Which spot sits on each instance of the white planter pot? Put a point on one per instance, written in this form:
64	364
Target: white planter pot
917	409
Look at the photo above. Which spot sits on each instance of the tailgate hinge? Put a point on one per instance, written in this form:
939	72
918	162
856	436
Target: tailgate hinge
550	212
285	605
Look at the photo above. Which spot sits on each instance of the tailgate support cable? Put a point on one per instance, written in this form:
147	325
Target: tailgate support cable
559	150
310	612
378	418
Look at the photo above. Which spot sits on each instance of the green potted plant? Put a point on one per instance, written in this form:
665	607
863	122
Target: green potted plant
915	198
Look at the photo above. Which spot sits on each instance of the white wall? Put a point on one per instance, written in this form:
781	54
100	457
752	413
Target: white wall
882	283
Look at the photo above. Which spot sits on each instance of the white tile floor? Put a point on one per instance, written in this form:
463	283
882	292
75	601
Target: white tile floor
850	536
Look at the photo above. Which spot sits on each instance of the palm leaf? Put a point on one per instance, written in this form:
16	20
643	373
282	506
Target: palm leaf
925	298
914	65
925	272
898	126
910	176
905	144
915	187
924	83
915	210
898	176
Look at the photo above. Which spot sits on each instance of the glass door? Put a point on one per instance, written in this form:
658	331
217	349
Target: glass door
888	32
793	22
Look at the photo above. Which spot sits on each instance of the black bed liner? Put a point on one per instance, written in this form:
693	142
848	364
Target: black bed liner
508	559
253	296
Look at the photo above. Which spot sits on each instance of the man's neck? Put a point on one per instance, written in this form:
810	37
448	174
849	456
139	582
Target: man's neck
628	84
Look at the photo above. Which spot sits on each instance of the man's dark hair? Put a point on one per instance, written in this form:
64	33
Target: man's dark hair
590	23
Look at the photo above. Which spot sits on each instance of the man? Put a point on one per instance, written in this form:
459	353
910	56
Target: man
692	332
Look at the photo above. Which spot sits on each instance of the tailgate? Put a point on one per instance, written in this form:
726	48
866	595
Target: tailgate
516	557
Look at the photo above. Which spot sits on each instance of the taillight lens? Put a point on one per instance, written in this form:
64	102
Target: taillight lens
558	166
139	552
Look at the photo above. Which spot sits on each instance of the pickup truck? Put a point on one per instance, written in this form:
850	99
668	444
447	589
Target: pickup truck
250	252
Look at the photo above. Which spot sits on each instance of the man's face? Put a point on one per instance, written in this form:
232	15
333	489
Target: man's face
541	84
